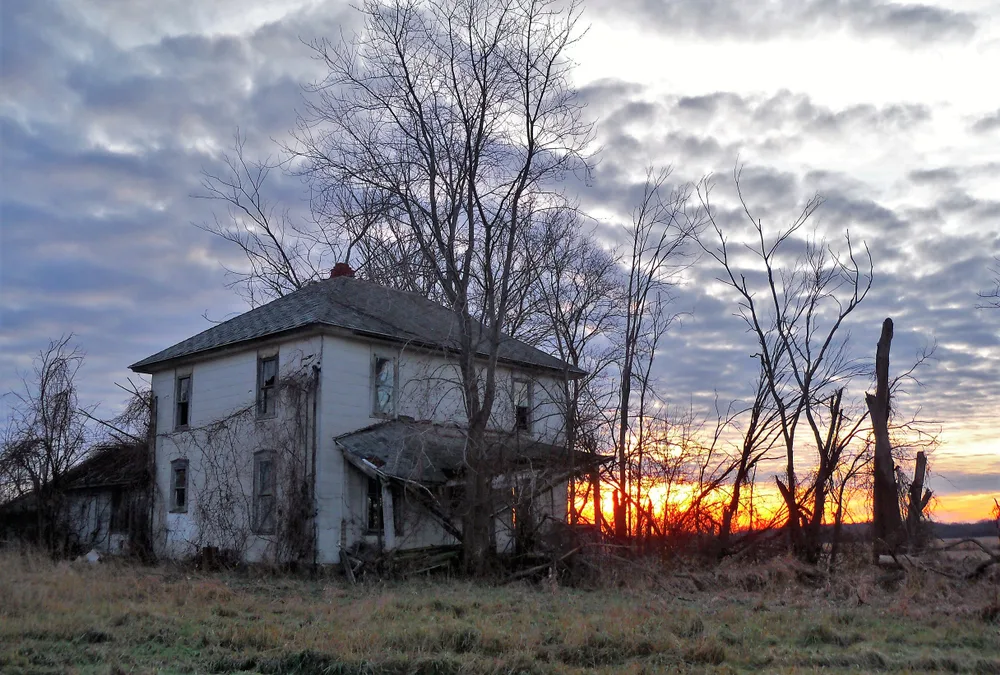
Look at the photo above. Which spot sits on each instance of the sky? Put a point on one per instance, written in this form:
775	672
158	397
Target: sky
110	111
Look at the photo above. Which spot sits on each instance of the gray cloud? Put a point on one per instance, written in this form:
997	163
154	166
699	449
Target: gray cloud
910	23
987	124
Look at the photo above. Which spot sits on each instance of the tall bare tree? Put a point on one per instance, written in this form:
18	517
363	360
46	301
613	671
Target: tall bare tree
454	119
577	305
46	434
656	252
796	316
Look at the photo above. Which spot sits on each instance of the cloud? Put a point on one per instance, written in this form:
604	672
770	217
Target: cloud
987	124
909	23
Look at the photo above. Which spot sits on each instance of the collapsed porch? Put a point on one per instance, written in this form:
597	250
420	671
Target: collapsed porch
405	487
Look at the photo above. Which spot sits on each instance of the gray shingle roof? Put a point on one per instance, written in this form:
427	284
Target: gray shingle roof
360	306
431	453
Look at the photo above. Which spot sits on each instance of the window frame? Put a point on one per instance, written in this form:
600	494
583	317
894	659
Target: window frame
260	493
175	466
265	392
180	377
376	410
529	389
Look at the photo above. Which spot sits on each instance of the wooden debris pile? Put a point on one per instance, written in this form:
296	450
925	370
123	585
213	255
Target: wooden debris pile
366	562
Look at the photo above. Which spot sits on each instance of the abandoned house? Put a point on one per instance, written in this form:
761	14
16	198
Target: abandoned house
105	503
331	418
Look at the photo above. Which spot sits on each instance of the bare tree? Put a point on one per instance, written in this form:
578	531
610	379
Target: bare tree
759	437
991	296
577	308
661	229
796	316
455	118
283	253
46	434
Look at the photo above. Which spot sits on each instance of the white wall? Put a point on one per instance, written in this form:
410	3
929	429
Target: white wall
223	385
222	422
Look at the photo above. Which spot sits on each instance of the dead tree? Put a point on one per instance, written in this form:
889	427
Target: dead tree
796	316
577	293
758	439
46	434
886	522
454	118
991	296
662	226
283	253
918	498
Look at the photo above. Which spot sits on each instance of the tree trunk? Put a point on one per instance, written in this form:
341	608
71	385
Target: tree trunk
886	522
919	497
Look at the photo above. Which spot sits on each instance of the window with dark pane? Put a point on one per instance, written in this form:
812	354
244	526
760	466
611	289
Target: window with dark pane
384	386
375	506
264	511
522	405
178	485
183	416
267	385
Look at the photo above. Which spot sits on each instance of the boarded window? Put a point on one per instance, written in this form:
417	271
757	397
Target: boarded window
267	385
183	416
179	485
264	481
522	405
374	524
384	386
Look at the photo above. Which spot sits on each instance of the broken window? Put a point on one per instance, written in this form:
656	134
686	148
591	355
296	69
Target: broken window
374	524
264	515
522	405
384	386
178	485
267	385
183	415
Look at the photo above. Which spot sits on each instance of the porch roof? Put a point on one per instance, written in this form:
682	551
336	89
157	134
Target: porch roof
432	453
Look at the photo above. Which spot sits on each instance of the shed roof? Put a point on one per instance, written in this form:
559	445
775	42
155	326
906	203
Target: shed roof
365	308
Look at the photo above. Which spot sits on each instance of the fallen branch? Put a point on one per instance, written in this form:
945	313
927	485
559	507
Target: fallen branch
539	568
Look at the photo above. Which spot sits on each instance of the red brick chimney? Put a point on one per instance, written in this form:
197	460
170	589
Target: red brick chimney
341	269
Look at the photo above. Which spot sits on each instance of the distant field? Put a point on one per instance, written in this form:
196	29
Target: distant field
113	619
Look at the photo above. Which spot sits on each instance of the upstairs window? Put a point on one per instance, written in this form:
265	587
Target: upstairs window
264	479
179	485
267	386
183	413
384	378
522	405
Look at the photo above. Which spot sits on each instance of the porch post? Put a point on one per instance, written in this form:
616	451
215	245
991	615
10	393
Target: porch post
388	522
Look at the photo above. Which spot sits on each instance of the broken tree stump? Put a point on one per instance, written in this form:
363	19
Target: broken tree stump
887	524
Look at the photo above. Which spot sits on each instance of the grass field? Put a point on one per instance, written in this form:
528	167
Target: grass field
111	618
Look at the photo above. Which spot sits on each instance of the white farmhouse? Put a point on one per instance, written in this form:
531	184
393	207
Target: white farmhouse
332	418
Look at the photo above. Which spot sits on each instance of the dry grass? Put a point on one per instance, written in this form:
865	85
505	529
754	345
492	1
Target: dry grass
112	618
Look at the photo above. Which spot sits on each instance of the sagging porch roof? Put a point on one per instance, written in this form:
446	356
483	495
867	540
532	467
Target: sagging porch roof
433	454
